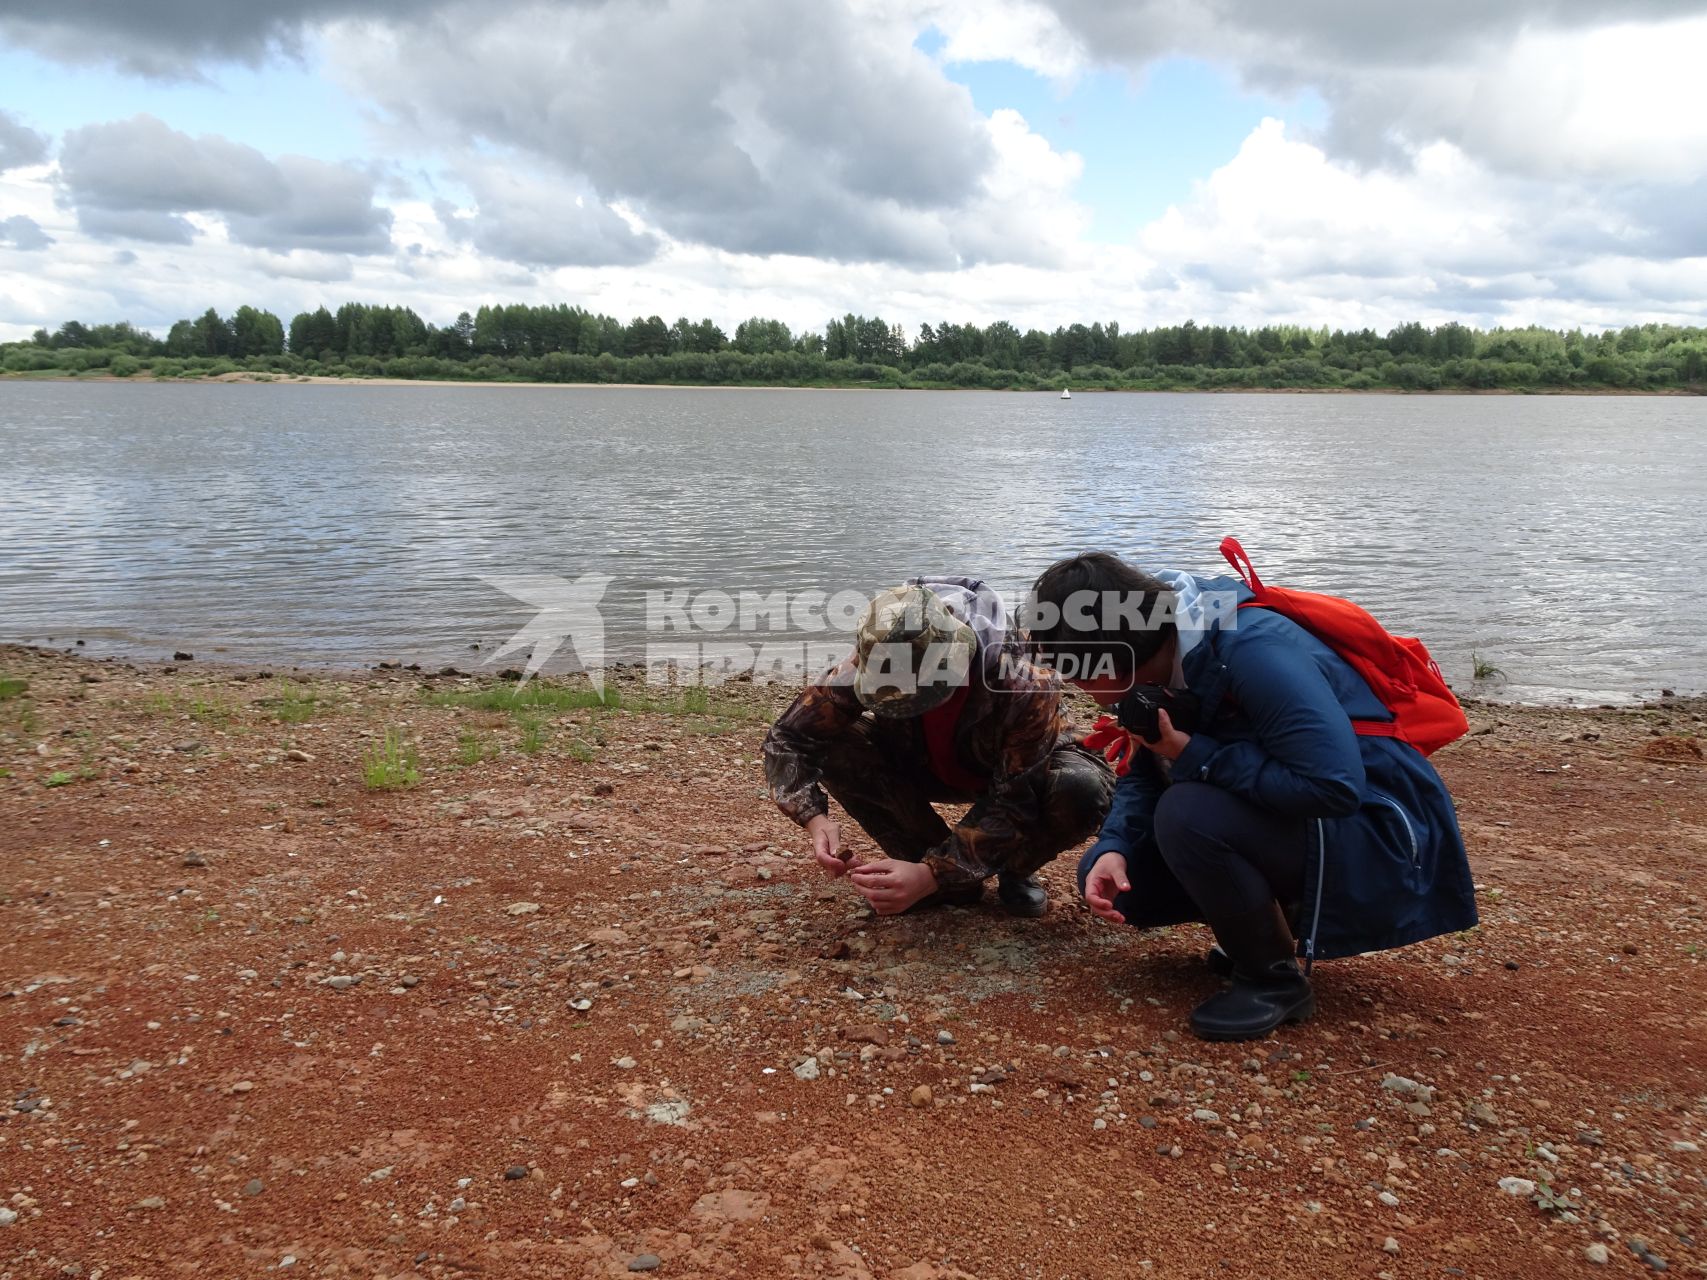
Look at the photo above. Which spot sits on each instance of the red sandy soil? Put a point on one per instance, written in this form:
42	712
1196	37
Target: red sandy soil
191	1088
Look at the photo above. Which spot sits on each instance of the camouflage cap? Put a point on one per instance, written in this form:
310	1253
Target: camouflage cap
912	653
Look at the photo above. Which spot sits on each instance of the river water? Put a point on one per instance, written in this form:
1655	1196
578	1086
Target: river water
1559	538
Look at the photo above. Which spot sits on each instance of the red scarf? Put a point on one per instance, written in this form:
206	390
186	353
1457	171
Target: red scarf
940	724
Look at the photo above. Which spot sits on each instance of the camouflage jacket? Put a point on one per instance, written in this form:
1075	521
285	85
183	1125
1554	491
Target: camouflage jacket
1008	727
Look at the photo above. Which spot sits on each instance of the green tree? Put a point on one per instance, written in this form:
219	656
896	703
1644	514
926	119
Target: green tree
256	333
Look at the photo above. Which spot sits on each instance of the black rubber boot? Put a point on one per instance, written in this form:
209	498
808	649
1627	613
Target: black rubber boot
1266	990
1021	895
1219	962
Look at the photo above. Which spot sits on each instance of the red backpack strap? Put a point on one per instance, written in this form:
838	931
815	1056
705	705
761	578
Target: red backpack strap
1235	555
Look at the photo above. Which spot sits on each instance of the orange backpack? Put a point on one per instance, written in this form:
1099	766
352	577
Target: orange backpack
1397	669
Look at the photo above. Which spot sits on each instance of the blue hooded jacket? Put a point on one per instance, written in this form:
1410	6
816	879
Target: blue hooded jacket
1387	864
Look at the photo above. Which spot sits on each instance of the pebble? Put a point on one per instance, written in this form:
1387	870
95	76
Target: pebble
515	1173
522	908
945	1037
807	1070
150	1202
645	1262
1390	1245
626	1064
921	1096
1597	1254
342	981
1517	1186
1407	1086
194	860
457	1205
7	1216
298	756
1205	1116
1389	1199
254	1187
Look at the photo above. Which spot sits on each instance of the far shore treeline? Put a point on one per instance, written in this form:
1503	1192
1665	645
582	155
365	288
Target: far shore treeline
563	343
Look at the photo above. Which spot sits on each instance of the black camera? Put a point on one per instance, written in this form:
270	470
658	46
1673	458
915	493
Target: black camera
1138	712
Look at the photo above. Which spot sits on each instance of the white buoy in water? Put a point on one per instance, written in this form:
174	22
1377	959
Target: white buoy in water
1066	394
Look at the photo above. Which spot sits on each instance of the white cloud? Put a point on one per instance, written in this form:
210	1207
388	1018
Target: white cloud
760	127
1281	232
1285	231
1540	160
141	179
1621	103
534	219
1024	32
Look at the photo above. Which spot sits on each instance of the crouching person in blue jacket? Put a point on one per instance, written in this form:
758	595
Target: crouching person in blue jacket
1261	813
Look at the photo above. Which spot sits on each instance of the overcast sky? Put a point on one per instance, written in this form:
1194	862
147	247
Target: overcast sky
1344	162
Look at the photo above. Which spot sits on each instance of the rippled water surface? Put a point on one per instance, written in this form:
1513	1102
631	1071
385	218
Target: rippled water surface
1560	538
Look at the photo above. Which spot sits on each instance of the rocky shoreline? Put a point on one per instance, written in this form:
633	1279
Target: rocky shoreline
381	974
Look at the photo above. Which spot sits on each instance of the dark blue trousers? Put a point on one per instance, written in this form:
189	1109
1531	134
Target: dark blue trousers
1210	849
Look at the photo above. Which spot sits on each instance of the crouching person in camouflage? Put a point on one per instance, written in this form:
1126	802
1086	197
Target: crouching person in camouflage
938	703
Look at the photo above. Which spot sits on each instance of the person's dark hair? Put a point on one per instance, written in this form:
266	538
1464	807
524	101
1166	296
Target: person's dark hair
1079	590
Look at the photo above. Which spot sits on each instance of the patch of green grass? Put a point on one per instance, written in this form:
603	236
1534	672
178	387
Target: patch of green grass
695	701
59	778
20	714
582	751
1482	669
536	696
471	748
532	696
203	711
294	705
533	734
392	763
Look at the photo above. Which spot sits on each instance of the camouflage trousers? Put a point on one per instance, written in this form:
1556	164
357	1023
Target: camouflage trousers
891	791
